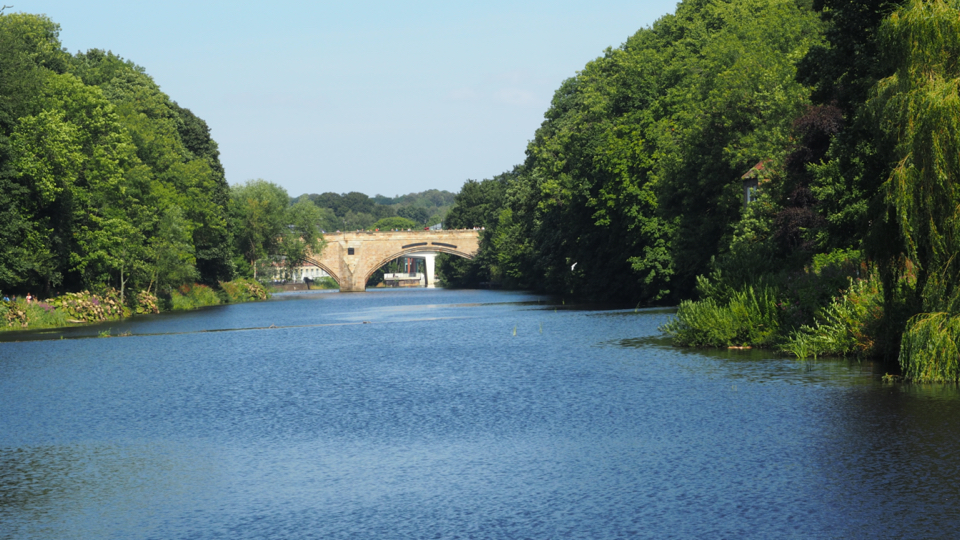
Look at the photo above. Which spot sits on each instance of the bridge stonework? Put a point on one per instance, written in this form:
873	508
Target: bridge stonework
350	258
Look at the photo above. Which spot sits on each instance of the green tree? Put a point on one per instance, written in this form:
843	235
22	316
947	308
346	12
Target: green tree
302	237
416	214
477	205
211	236
258	215
391	223
918	108
47	160
29	50
170	253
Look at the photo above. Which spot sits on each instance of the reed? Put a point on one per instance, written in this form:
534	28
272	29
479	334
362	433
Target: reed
848	325
749	318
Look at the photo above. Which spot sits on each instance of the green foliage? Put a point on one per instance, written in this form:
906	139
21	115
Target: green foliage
848	325
355	210
257	211
390	223
87	307
146	303
326	282
94	161
918	108
930	350
749	318
243	290
170	254
477	205
632	183
416	214
819	284
193	296
20	314
301	236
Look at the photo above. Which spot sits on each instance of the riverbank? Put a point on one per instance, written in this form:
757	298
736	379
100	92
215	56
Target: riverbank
85	307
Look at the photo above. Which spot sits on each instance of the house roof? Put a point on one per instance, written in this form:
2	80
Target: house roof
758	171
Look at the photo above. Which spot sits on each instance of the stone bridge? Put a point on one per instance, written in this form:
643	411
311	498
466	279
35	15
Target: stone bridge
351	257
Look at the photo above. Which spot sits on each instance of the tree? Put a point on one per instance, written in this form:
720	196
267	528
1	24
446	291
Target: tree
302	237
257	212
114	248
48	161
390	223
416	214
211	237
918	108
477	205
170	253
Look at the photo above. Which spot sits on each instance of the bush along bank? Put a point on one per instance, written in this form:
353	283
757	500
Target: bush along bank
913	326
87	307
834	307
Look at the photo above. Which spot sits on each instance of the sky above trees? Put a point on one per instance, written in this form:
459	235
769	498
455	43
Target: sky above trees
377	97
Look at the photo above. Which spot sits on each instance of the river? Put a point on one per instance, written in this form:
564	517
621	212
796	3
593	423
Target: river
455	414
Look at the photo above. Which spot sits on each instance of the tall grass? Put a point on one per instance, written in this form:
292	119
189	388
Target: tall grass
749	318
192	297
20	314
847	325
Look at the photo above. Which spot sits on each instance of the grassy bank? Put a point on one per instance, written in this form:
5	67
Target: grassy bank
87	307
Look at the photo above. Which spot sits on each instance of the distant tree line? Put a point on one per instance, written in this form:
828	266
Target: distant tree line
352	211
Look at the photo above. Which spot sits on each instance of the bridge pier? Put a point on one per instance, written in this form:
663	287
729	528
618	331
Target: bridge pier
430	260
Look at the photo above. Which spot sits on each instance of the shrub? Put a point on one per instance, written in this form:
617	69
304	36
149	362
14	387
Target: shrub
326	282
750	317
86	307
14	314
146	303
243	290
817	285
193	296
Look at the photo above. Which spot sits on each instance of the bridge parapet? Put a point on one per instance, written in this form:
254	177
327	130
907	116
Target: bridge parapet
351	257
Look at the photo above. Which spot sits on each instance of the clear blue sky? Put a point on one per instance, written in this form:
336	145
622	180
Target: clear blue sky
376	97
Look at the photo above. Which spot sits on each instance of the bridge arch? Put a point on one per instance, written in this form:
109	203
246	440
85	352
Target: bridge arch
412	252
325	268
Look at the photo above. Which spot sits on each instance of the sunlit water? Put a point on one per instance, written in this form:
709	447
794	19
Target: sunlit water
455	414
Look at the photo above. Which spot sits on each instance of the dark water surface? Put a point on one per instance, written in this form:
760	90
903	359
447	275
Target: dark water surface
423	414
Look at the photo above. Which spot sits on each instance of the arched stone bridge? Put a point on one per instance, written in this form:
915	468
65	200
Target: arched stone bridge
350	258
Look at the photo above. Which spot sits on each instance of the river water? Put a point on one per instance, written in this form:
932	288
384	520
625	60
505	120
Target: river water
455	414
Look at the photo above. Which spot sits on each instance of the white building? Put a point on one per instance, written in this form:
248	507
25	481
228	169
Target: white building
305	270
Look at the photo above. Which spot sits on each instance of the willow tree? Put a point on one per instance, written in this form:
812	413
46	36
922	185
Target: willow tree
919	108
